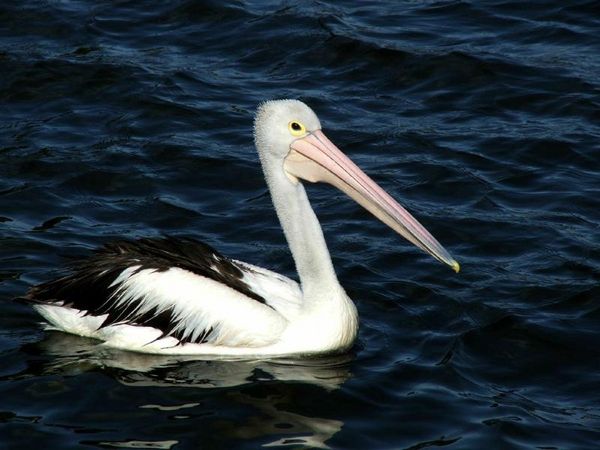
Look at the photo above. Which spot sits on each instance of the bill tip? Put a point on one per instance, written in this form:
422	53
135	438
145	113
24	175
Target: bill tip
455	266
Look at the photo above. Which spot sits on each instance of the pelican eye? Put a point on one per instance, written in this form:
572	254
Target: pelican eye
296	128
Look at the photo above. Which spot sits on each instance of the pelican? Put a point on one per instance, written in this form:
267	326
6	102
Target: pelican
179	296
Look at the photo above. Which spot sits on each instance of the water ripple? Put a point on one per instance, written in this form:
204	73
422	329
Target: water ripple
122	120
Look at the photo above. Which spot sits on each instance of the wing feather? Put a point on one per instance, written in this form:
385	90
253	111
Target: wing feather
281	293
181	287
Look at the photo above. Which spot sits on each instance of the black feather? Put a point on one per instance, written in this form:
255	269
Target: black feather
89	286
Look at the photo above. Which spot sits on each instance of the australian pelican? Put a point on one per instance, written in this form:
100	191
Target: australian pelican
180	296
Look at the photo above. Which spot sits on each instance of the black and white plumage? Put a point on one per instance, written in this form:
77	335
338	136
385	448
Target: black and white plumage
96	285
180	296
147	289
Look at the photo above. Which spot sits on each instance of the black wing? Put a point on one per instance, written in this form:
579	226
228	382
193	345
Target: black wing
90	286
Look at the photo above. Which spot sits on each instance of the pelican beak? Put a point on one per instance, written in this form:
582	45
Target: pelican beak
315	158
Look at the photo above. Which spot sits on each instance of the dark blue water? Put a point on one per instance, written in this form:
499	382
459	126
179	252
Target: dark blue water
129	119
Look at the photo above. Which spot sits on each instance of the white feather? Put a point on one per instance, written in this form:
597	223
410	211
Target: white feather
69	319
200	304
280	292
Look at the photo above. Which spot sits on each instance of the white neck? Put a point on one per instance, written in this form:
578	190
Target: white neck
331	315
304	235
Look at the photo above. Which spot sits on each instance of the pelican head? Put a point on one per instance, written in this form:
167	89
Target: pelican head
289	138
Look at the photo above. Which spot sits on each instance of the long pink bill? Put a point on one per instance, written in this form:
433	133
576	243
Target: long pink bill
315	158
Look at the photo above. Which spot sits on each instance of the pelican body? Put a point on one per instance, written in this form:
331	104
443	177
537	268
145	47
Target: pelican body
180	296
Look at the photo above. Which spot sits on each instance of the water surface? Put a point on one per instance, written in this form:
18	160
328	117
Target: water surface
122	119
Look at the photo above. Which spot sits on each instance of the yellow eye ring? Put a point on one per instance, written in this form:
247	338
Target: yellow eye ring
296	128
